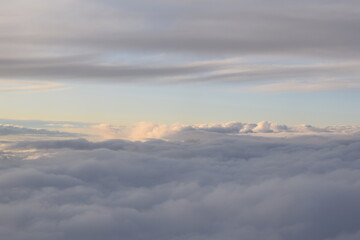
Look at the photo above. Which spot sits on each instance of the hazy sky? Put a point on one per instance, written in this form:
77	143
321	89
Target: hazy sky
180	61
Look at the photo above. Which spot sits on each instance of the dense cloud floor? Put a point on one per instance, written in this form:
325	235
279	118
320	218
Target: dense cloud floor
220	187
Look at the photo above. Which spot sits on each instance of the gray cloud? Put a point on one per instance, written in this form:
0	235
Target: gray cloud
45	124
210	187
8	129
279	27
217	71
97	32
61	69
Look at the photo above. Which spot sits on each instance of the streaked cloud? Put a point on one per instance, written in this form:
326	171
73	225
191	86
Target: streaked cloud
94	40
8	129
10	86
303	86
146	130
44	124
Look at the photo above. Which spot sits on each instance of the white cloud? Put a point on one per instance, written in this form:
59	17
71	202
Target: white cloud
304	86
139	131
145	130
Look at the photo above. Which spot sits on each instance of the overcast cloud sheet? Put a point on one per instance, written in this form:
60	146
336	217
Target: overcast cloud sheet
199	186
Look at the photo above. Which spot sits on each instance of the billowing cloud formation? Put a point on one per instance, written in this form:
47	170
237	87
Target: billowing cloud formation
145	130
314	44
213	186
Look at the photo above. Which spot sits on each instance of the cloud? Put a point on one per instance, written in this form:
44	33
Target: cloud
298	86
223	187
45	124
138	131
8	129
118	41
229	27
146	130
28	86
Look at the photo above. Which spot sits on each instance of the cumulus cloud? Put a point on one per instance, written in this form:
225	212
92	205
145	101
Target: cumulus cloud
217	187
240	27
142	130
146	130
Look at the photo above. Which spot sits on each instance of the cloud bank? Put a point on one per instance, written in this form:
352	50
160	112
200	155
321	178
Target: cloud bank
45	124
213	186
8	129
146	130
143	131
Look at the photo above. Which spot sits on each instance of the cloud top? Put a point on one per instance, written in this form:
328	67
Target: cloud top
145	130
224	187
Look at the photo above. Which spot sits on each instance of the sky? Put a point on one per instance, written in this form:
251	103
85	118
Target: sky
179	120
191	62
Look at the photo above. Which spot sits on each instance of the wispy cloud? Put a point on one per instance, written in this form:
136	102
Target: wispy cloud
303	86
14	85
8	129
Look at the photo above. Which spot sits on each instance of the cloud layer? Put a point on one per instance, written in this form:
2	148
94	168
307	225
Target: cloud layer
230	27
8	129
181	41
146	130
200	187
